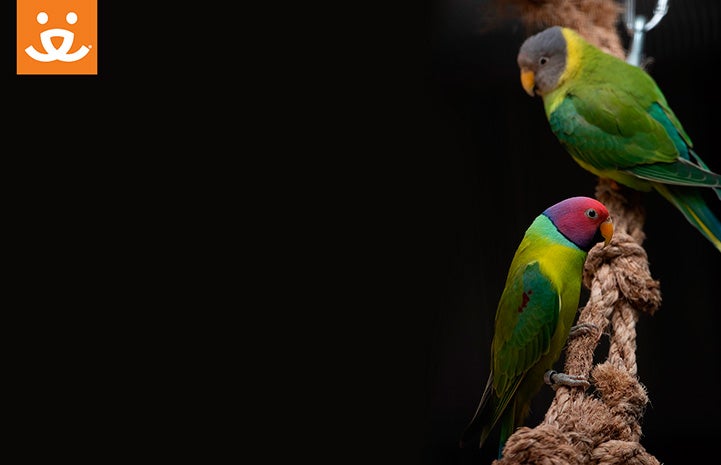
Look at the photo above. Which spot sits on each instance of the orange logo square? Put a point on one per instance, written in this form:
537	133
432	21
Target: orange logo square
57	37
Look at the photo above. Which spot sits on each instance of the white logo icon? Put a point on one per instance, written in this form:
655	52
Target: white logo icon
52	53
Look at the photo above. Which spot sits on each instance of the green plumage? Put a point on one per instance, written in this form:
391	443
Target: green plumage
615	122
533	319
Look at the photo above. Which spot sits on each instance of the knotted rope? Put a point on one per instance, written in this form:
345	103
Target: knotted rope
601	426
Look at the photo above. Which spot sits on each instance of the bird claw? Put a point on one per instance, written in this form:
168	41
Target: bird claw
582	329
556	379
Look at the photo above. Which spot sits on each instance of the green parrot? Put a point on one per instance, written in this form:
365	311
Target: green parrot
535	313
615	122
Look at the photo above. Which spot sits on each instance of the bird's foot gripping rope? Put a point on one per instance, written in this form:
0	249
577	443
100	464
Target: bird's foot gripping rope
583	329
556	380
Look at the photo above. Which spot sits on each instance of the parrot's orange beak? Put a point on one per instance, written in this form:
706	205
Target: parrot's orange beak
528	81
607	231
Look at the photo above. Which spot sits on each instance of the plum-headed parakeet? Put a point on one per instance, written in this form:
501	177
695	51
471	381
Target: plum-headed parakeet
615	122
536	311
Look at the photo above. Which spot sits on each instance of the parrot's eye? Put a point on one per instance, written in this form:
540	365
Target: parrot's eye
543	60
591	213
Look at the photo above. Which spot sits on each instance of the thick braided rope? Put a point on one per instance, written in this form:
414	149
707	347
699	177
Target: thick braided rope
601	426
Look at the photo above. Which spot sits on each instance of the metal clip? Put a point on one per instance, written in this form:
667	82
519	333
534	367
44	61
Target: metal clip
637	26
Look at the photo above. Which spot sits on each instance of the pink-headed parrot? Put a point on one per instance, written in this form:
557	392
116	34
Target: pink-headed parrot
614	121
535	313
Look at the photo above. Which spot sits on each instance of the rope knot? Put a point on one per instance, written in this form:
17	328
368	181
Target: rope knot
621	392
544	444
622	452
627	263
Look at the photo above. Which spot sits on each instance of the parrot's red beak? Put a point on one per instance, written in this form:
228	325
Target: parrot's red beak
607	231
528	81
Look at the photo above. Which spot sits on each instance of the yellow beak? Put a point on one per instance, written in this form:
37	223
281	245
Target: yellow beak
607	231
528	81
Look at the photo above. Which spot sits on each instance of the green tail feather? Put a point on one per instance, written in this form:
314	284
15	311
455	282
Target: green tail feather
717	190
490	412
507	428
693	206
482	422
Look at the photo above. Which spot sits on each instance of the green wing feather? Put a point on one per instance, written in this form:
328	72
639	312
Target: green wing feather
625	135
523	335
615	116
528	316
680	173
684	171
529	312
602	130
